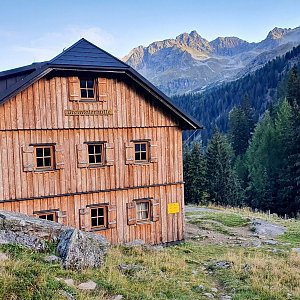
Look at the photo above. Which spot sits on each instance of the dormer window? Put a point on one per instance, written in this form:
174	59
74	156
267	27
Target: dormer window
87	89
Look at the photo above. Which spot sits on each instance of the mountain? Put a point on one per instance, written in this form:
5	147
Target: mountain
190	63
263	87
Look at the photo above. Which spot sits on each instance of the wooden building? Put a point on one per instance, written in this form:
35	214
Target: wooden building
88	142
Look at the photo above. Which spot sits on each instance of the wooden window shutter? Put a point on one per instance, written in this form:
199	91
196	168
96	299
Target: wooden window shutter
112	216
74	88
153	151
61	216
59	157
131	213
109	154
85	219
28	158
82	155
155	211
102	89
129	153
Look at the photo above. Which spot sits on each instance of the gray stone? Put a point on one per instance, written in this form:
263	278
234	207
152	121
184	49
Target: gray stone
130	269
256	244
135	243
200	287
117	297
214	290
297	250
69	282
23	224
270	242
89	285
81	250
265	228
223	265
66	294
53	259
225	297
20	238
208	295
3	256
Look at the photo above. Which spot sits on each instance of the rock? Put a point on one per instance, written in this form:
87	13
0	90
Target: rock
53	259
223	265
297	250
89	285
69	282
32	242
200	287
270	242
153	248
25	225
135	243
214	290
225	297
66	294
208	295
256	244
264	228
194	272
130	269
81	250
117	297
3	256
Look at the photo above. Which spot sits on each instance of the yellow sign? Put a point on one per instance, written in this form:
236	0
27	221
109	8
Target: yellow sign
173	208
104	112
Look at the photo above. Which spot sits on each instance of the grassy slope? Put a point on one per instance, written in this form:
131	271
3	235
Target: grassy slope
173	273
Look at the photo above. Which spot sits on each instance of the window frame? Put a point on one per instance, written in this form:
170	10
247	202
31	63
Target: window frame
147	151
88	99
52	160
53	212
139	202
94	144
105	216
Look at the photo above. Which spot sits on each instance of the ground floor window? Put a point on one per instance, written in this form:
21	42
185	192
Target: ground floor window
143	210
50	216
98	217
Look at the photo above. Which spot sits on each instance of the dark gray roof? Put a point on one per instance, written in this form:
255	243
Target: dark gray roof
84	55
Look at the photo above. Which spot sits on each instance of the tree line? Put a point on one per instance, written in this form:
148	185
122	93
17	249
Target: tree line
255	164
213	106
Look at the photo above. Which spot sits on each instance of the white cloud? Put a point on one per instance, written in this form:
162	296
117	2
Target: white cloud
50	44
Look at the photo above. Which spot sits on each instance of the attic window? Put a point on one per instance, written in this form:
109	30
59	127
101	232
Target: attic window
87	89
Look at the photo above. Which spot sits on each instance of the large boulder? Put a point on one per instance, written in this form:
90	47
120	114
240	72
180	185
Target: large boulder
77	249
80	250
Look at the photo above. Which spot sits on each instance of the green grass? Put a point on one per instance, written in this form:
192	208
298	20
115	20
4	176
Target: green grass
173	273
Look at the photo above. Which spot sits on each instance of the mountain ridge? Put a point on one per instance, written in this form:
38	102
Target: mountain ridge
189	62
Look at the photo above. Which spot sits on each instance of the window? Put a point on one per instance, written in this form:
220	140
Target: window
95	153
143	210
51	216
87	89
44	157
141	151
98	217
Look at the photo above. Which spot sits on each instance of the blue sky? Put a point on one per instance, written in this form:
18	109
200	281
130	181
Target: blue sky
37	30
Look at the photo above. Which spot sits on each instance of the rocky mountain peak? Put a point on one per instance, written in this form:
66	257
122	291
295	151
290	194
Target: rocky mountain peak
277	33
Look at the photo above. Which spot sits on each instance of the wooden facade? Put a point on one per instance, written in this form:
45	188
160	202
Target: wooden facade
49	112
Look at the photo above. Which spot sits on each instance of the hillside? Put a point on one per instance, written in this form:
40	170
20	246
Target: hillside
212	107
228	254
190	62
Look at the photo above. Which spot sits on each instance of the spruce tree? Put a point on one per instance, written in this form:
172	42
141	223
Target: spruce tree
222	183
195	174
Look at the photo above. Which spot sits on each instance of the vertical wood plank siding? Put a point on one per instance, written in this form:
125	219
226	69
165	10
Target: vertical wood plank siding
36	116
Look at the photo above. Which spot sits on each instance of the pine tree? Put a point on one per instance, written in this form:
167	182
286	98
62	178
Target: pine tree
261	156
222	183
195	174
241	125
